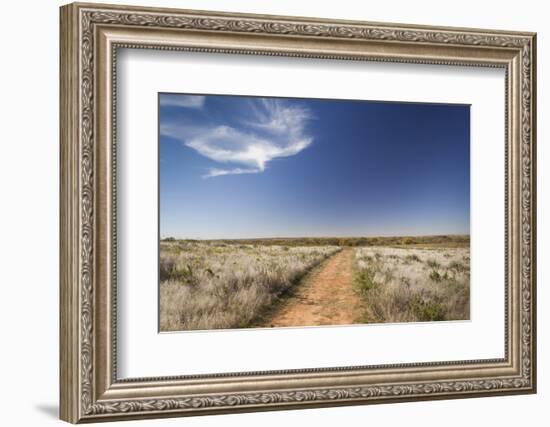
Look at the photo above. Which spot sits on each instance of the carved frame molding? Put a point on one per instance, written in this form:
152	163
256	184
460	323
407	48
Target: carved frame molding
90	36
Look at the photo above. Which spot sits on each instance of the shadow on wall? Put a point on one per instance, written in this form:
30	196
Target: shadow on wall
49	410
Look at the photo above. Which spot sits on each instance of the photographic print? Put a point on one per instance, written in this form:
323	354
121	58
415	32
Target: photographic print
293	212
301	193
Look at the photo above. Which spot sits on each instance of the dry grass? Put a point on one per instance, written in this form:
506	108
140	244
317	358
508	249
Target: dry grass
451	240
213	285
413	285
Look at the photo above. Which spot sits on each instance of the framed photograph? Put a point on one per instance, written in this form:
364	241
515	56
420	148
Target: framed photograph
265	212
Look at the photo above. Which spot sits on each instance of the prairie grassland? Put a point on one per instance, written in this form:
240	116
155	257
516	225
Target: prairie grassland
413	285
451	240
215	285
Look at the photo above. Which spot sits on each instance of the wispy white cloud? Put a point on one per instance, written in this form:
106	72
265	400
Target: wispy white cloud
184	101
220	172
270	129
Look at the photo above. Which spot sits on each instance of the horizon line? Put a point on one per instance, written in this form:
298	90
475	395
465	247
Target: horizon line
321	237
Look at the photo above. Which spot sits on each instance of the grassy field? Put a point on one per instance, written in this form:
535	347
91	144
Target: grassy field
455	240
215	285
232	283
413	285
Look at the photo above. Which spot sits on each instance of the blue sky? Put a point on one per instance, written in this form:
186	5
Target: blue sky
245	167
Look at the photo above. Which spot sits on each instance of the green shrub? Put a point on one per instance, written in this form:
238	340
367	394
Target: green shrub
435	276
364	281
432	263
459	267
426	310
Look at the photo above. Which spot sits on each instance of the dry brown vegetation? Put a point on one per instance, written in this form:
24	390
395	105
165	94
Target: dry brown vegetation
453	240
238	283
412	285
212	285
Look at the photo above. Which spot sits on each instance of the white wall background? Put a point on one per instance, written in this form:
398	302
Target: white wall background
29	170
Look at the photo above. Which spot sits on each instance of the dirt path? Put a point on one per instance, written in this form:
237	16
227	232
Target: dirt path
325	297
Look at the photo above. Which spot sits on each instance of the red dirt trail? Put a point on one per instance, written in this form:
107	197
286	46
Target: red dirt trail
325	296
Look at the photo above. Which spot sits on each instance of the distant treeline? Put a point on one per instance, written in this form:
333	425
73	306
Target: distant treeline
443	240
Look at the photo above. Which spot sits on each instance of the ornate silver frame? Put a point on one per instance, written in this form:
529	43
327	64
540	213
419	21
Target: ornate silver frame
90	36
